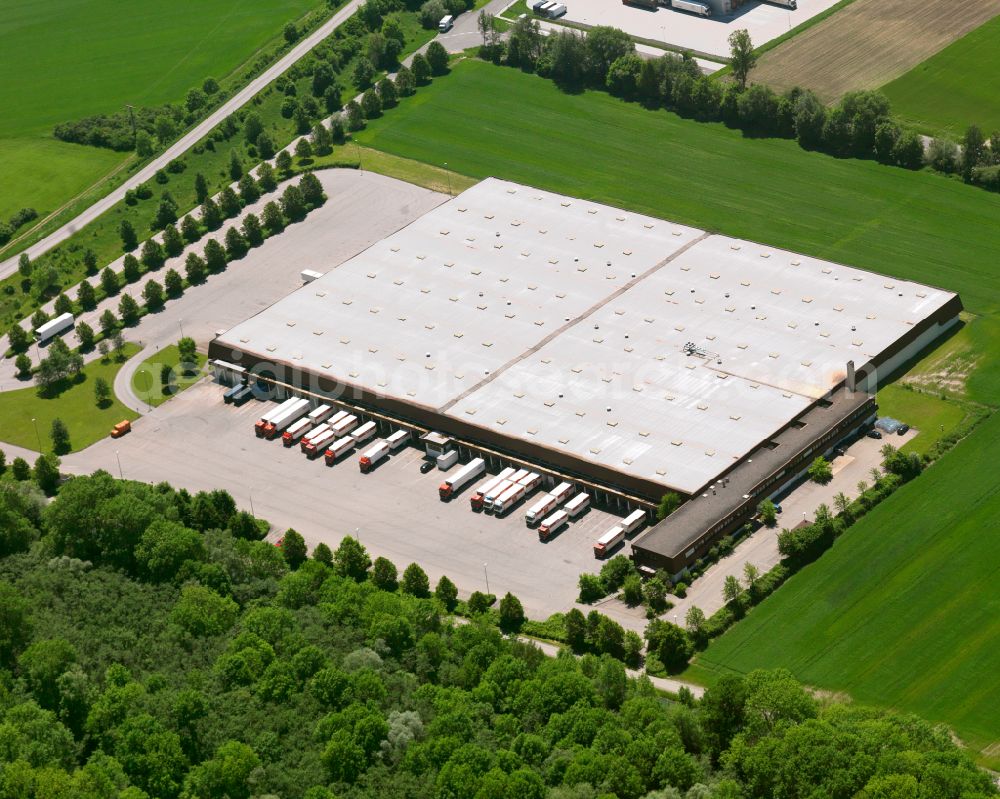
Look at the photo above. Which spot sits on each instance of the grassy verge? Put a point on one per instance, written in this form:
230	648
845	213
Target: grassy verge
932	416
148	385
24	410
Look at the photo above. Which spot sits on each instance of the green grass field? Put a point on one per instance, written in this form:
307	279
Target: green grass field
930	414
74	404
146	378
904	609
955	88
63	60
485	120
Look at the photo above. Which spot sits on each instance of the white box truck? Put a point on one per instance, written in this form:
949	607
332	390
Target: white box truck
633	521
371	456
338	448
479	497
292	413
363	433
577	505
398	439
552	525
542	508
452	485
54	327
295	431
562	492
265	420
490	497
693	7
508	499
609	541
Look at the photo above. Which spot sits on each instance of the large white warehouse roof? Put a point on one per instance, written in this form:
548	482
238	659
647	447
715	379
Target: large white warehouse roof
649	347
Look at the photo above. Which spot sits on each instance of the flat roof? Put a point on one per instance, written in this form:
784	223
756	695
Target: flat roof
653	348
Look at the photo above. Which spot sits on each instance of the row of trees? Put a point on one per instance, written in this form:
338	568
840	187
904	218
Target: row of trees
150	646
860	125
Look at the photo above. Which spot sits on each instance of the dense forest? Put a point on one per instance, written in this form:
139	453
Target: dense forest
152	646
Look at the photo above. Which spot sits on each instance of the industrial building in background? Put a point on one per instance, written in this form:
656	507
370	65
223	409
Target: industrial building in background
631	354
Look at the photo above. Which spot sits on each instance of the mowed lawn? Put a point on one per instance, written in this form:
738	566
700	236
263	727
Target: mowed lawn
904	609
955	88
486	120
73	403
65	59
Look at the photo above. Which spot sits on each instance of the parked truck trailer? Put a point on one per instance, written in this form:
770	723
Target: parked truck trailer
609	541
263	421
295	431
692	7
54	327
363	433
540	510
371	456
291	414
479	497
452	485
338	448
552	525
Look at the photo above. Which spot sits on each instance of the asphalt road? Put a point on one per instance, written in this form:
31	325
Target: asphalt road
187	141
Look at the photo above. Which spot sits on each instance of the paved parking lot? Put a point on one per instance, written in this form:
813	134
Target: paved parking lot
197	442
704	35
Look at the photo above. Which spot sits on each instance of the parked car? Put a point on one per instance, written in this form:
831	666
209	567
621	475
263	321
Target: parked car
874	434
903	429
426	466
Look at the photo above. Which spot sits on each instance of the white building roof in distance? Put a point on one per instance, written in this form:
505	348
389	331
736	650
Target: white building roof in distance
532	314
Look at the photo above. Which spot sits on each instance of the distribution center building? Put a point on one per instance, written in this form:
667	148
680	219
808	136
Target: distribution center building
633	353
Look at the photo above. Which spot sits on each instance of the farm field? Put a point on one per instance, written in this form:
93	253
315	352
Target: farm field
955	88
920	568
485	120
869	43
72	402
64	60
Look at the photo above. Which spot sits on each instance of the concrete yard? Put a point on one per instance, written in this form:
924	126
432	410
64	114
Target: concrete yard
699	34
196	442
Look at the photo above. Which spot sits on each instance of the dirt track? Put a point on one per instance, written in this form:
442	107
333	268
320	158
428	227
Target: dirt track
869	43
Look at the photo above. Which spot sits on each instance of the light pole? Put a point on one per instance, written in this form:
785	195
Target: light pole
121	474
357	152
37	435
251	504
487	578
180	324
449	178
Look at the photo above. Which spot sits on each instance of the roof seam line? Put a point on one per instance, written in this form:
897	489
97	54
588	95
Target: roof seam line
567	325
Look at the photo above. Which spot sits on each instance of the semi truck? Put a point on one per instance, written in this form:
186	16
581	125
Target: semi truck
552	524
314	446
398	439
490	497
54	327
609	541
372	456
452	485
540	510
479	497
263	421
316	432
363	433
692	7
508	499
577	505
633	521
281	421
295	431
339	447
